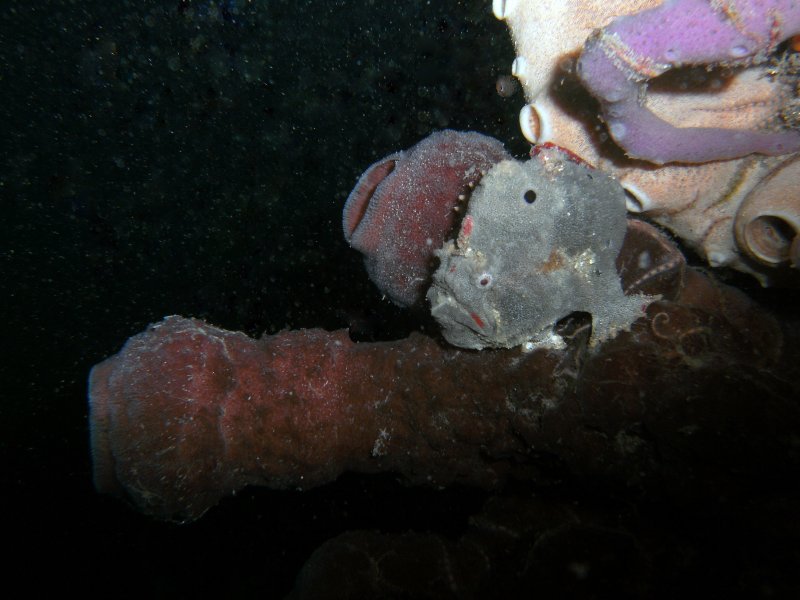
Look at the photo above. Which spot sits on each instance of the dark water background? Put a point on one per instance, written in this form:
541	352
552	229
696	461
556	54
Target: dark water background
177	157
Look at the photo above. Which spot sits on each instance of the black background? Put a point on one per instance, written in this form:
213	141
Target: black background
176	157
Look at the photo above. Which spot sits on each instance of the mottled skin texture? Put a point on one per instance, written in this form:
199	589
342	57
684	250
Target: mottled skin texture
618	60
538	242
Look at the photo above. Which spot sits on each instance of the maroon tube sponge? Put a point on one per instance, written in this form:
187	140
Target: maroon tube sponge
406	204
187	413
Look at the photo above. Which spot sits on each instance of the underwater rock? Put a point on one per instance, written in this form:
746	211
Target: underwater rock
539	241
